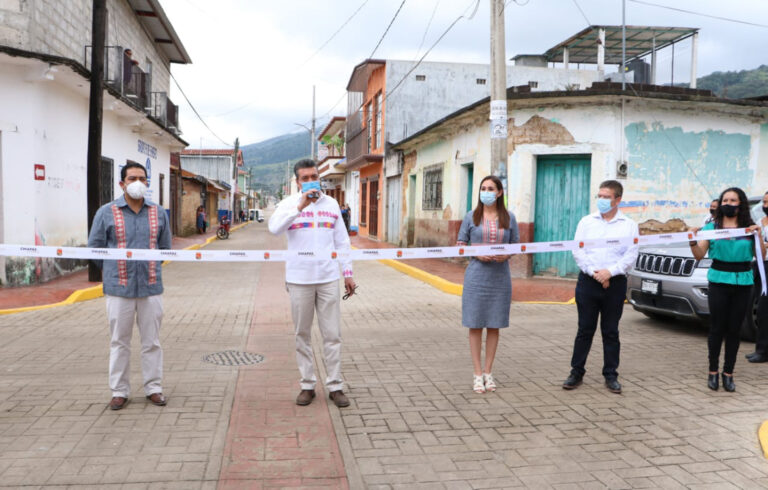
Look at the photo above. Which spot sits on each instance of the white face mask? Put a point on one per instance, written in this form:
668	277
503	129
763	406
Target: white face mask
136	189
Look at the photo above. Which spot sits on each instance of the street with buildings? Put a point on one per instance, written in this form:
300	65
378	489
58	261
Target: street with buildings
414	421
404	159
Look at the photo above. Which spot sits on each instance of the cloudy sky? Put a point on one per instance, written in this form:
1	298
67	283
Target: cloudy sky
254	62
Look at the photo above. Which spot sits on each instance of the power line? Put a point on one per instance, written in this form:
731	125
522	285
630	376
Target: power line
337	31
692	12
582	13
424	36
462	16
672	143
195	111
387	29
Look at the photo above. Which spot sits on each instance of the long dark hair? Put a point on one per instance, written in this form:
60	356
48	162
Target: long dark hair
501	209
743	216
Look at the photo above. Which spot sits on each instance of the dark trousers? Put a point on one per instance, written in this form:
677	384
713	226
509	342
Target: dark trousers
727	307
761	346
593	301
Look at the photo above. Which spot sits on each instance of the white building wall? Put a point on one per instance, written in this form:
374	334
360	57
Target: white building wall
46	123
680	155
413	105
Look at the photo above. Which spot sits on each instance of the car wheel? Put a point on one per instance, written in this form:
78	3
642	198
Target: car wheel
749	327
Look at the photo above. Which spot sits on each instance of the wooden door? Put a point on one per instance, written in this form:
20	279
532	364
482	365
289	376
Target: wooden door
562	199
373	209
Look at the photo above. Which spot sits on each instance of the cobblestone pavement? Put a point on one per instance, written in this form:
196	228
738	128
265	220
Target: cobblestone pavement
54	429
414	422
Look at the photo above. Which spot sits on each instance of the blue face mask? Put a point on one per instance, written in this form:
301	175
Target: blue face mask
311	186
488	197
604	205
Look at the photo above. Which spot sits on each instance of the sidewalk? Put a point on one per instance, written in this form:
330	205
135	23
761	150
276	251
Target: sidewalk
61	288
413	422
525	290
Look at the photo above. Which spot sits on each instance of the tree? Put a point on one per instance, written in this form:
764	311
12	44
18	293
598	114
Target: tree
336	142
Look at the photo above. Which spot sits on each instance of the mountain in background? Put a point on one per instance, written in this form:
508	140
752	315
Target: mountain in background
736	84
268	160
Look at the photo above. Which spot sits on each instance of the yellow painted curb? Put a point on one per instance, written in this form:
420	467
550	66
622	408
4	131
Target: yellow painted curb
451	287
762	435
97	291
423	276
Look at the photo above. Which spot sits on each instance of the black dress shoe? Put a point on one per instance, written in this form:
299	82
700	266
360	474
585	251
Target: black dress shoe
751	354
613	385
758	358
728	384
712	382
572	382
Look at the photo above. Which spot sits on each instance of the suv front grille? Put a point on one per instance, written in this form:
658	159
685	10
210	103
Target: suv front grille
666	265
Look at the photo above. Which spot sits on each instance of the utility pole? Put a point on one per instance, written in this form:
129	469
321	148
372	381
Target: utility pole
95	112
235	177
312	136
498	114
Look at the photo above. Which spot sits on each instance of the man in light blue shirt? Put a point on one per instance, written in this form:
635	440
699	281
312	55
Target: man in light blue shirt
133	288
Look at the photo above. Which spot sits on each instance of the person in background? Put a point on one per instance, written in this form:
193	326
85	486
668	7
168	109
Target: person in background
602	284
200	220
487	293
345	215
712	210
730	277
761	344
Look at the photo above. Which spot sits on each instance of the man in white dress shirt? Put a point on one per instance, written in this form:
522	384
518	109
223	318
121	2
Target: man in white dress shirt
602	284
313	223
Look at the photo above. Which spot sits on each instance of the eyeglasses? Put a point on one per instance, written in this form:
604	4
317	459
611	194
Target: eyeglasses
347	295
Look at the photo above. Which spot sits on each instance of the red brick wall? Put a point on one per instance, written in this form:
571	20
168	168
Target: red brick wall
522	265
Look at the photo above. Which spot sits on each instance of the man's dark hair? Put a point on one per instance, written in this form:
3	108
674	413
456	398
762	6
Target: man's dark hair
613	185
304	163
128	165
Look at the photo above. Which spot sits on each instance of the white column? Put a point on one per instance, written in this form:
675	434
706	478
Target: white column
565	57
694	57
601	51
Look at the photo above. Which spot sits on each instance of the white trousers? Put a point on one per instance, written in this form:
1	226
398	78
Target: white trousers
305	300
122	314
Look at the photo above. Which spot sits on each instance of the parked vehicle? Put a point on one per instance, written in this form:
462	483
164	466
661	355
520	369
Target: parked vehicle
223	231
668	282
255	215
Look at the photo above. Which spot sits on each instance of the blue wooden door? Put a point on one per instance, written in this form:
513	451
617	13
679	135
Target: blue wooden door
562	199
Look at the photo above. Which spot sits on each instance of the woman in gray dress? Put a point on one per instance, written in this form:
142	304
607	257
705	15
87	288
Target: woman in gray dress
487	285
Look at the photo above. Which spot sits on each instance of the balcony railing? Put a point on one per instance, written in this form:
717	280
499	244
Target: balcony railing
124	76
165	111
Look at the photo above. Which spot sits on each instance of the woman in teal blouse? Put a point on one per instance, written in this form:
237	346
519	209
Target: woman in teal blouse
730	281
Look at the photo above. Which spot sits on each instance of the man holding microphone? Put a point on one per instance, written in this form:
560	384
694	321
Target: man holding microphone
312	222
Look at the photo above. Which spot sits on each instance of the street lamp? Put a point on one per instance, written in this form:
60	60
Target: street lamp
311	138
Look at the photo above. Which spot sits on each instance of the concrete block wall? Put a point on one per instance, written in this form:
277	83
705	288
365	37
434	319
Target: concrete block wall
63	28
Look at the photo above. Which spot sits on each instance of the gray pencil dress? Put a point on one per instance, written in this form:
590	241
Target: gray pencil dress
487	285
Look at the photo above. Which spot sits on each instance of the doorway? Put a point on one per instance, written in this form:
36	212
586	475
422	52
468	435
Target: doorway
373	208
562	199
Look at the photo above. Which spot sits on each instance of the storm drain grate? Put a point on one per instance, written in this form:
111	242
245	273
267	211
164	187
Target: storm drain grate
233	358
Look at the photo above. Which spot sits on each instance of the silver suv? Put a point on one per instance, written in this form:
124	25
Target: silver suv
668	282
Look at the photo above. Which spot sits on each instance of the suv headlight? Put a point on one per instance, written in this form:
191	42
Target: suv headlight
704	263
